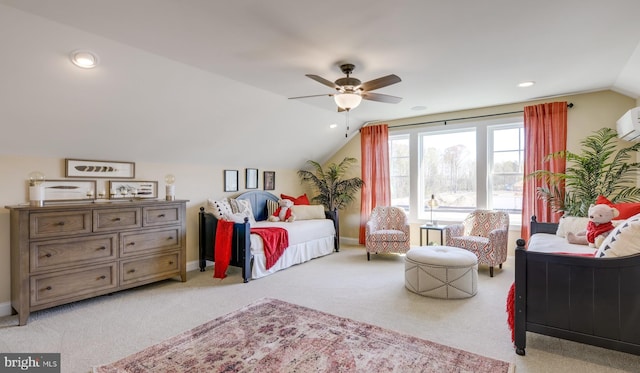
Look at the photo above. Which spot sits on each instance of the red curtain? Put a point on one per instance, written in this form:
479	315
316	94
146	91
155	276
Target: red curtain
375	171
545	132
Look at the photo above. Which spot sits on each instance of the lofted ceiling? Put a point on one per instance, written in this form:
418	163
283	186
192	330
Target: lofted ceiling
209	81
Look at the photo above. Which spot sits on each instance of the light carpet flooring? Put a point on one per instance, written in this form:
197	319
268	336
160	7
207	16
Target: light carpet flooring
108	328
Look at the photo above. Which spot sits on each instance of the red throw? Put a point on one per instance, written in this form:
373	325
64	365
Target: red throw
276	240
222	248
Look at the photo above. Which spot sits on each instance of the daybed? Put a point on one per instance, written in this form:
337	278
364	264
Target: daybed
308	239
584	299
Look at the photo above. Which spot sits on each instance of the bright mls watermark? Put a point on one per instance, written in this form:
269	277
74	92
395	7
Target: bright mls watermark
29	362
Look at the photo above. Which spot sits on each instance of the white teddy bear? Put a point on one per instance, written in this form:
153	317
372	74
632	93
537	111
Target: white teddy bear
283	213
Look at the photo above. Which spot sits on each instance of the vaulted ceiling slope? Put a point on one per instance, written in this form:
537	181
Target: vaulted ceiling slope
199	80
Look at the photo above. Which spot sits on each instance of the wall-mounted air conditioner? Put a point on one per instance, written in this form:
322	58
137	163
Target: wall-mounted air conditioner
628	126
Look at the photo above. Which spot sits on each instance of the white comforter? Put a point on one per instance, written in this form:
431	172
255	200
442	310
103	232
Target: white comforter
308	239
551	243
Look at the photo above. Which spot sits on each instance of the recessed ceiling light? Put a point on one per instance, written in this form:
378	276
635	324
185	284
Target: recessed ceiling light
526	84
333	125
84	59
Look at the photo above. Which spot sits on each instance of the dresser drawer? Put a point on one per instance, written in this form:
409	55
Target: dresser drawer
153	240
163	215
149	268
55	224
73	284
61	253
116	219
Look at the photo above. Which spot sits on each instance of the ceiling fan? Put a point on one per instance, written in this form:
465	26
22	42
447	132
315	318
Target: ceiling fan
351	91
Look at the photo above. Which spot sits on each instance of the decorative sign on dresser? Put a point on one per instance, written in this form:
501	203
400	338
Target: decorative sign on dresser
62	253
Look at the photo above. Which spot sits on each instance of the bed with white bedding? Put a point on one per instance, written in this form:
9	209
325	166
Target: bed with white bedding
308	239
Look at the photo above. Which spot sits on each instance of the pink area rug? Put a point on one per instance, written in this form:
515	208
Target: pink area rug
275	336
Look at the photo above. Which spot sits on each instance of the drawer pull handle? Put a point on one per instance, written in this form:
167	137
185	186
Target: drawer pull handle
60	223
48	255
102	277
131	270
102	248
161	216
171	262
116	219
170	238
48	288
132	243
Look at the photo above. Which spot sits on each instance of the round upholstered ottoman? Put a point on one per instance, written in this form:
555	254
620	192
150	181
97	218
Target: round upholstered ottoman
441	272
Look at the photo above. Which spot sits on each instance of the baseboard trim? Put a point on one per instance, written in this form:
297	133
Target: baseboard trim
350	240
5	309
195	265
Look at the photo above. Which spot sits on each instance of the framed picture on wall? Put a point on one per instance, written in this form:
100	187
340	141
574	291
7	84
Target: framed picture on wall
69	190
251	178
269	181
133	189
100	169
230	180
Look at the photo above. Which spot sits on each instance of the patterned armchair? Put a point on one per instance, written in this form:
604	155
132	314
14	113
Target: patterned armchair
387	231
484	233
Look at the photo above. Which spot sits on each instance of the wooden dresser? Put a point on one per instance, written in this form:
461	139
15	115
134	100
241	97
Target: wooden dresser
62	253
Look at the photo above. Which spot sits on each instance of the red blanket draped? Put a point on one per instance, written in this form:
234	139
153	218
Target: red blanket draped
222	248
275	241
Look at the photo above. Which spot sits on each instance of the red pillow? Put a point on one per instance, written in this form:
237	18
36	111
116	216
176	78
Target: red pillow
626	209
301	200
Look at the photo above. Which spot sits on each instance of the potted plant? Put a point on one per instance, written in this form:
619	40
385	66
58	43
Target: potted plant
335	192
601	168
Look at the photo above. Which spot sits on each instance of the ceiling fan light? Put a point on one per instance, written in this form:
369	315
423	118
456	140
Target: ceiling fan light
347	101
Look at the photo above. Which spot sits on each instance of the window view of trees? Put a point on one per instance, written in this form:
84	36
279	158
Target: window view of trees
448	166
452	162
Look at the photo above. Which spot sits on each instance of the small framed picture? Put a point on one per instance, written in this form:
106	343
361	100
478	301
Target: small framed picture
133	189
251	178
230	180
69	190
269	182
100	169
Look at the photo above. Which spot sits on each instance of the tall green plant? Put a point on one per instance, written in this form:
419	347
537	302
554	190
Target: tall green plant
334	191
599	169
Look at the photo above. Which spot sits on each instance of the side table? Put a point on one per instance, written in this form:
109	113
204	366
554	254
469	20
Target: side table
427	228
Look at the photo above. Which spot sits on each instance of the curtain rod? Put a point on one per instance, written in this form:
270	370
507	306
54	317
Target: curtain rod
569	105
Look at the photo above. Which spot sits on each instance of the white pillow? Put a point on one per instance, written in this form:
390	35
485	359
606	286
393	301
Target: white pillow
231	209
219	208
624	240
308	212
573	224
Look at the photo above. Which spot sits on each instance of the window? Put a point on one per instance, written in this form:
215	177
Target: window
399	170
463	165
448	170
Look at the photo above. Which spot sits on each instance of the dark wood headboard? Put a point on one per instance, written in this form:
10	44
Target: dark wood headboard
258	200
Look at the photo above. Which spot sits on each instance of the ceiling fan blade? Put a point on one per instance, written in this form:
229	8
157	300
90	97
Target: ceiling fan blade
324	81
326	94
380	82
381	98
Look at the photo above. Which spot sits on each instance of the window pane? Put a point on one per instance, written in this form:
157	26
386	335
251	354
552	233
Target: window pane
399	170
448	171
507	169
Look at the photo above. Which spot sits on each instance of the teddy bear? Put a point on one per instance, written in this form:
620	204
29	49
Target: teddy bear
598	228
283	213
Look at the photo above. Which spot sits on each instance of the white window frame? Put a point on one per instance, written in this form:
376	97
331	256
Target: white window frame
484	150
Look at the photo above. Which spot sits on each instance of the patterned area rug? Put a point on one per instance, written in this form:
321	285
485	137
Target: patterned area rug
275	336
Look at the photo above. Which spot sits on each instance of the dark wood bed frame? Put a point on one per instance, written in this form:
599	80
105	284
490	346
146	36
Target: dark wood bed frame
588	300
241	245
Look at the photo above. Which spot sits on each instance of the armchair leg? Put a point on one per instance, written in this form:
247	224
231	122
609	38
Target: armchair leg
491	271
500	266
368	255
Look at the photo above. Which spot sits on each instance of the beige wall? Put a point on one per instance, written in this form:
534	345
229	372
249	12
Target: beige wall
590	112
195	182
